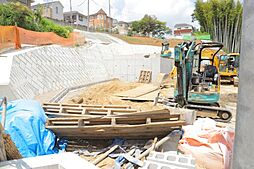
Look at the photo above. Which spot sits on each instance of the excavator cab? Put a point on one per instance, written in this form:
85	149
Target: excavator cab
205	81
165	51
229	66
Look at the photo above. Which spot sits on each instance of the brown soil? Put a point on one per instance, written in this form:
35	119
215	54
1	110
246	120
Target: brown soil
229	97
228	94
147	40
104	94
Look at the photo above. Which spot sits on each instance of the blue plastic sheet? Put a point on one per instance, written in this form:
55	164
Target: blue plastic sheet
25	122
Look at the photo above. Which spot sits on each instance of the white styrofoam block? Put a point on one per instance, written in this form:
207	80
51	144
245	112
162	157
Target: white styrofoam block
62	160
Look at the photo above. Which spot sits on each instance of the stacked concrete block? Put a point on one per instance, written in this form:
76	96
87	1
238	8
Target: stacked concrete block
168	160
51	68
40	70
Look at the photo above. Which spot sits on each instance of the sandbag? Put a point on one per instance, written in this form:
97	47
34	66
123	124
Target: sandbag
211	146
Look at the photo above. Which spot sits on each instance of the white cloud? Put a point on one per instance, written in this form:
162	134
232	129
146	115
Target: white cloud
170	11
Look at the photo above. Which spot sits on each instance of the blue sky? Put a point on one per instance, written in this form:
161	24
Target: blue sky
170	11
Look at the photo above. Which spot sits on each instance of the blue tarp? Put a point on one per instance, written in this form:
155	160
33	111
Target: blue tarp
25	122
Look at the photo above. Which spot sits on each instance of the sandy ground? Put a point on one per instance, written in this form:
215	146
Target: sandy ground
104	94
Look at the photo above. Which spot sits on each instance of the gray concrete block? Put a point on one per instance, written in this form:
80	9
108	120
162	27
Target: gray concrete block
172	160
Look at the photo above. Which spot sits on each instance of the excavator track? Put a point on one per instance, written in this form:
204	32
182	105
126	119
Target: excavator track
217	113
222	115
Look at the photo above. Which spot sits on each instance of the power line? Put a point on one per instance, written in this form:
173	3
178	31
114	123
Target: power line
97	4
88	15
81	3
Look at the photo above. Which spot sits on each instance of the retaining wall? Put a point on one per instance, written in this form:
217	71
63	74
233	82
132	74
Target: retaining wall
43	69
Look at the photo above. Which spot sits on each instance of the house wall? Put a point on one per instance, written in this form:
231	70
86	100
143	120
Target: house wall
180	32
100	21
57	14
81	20
122	29
51	10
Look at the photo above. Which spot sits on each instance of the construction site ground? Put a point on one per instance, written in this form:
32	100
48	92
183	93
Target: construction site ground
103	93
147	40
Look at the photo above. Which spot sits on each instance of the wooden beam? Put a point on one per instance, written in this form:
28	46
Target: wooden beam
2	148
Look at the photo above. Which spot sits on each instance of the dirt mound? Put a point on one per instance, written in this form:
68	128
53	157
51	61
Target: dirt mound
103	94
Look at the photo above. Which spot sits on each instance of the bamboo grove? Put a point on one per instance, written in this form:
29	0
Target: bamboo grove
222	19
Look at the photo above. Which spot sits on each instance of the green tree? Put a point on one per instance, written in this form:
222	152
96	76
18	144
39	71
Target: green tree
222	19
149	24
17	14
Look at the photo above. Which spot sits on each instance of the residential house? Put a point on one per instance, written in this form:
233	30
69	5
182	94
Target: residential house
77	18
24	2
183	29
122	27
52	10
100	20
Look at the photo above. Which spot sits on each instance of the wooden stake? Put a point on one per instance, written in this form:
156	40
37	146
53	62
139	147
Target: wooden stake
2	149
103	156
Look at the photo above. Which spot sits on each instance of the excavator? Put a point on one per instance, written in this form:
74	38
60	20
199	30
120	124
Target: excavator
228	67
165	51
198	81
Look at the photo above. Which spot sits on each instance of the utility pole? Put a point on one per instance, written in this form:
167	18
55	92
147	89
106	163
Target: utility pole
71	12
109	13
109	8
243	146
88	17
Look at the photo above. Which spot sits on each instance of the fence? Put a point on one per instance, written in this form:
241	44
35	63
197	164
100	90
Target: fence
9	37
13	37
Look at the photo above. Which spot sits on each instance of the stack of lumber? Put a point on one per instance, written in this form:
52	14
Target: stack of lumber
109	121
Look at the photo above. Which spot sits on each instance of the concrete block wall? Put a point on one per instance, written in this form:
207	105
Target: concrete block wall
50	68
44	69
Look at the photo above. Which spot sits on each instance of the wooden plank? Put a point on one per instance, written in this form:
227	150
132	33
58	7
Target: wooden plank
82	110
138	91
144	114
124	131
152	112
116	120
2	146
104	155
130	117
57	108
147	97
160	78
71	115
85	105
